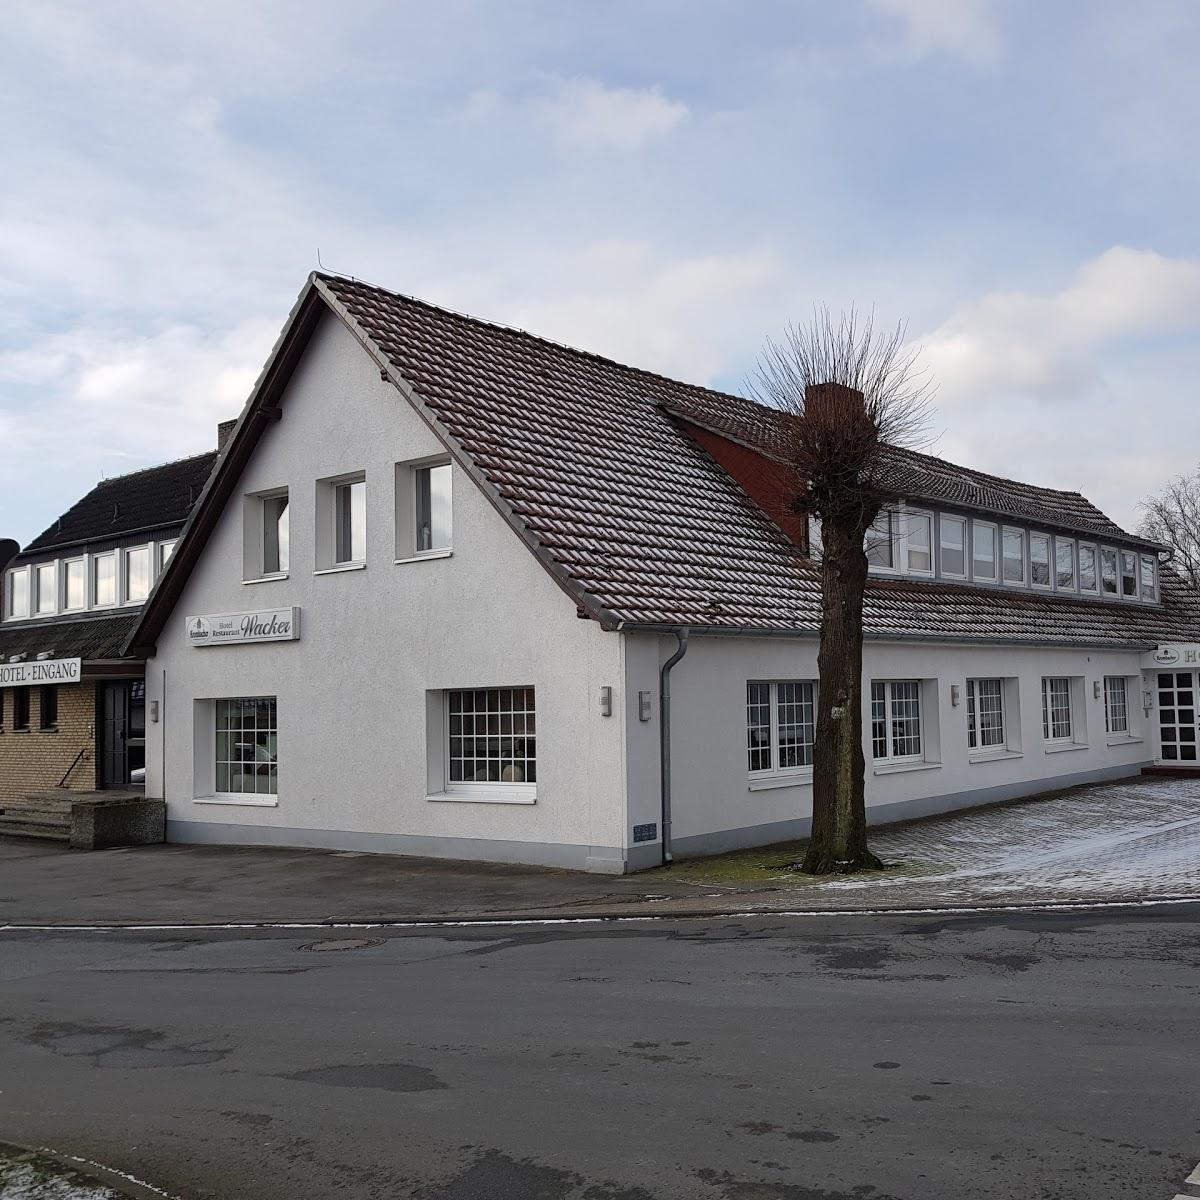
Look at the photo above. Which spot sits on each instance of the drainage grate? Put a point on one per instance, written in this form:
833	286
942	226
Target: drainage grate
343	944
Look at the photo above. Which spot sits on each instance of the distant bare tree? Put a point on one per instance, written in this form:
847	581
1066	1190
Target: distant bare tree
848	393
1172	516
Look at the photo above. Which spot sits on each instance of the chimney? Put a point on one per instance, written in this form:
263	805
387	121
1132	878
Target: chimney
833	400
224	431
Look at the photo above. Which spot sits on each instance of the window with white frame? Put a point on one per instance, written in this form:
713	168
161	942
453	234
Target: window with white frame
1089	580
45	588
781	725
896	720
816	545
917	532
246	757
1108	571
1064	564
491	737
104	580
1056	708
1116	705
1014	555
75	584
1129	581
16	593
952	542
136	580
350	521
276	539
432	507
165	550
985	714
983	551
1039	560
879	542
1149	577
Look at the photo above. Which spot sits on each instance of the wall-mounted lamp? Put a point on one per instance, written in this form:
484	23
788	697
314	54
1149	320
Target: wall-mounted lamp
153	712
643	706
1095	689
606	702
955	695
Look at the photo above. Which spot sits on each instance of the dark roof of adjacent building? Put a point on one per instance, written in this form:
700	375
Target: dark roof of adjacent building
587	461
90	638
154	498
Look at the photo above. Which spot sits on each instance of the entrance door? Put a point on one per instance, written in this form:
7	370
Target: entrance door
1177	716
114	735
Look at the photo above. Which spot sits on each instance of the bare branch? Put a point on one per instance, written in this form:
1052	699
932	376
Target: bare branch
837	437
1172	516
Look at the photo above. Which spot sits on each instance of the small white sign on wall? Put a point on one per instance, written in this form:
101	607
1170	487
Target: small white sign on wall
1174	654
229	629
50	670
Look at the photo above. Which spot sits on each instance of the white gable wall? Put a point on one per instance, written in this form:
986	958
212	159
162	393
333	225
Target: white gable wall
352	690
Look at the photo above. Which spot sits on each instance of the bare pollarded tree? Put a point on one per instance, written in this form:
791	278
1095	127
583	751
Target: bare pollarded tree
848	393
1172	516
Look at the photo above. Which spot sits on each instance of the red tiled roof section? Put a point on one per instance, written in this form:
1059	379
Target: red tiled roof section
586	453
918	476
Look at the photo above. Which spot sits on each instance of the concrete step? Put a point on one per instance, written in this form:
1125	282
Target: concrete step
35	816
34	829
36	804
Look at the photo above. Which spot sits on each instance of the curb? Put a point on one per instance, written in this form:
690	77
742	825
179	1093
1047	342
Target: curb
484	920
83	1171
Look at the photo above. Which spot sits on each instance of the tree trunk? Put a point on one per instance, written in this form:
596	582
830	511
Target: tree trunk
839	822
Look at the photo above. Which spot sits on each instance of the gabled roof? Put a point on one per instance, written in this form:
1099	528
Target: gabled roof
585	459
155	498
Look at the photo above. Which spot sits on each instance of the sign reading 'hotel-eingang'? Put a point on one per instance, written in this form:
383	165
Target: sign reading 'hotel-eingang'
51	670
225	629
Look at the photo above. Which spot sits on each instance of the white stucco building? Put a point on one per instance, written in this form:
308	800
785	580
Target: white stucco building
425	602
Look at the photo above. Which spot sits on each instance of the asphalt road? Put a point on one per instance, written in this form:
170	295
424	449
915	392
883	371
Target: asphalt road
1039	1057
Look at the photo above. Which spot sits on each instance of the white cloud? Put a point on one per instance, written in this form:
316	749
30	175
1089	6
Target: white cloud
1084	388
1049	345
583	112
963	28
170	389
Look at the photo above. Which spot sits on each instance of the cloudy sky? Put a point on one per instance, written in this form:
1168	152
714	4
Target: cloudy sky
663	181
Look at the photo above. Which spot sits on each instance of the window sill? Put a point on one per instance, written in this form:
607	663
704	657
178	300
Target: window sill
1122	739
244	801
354	566
767	783
900	768
521	796
425	557
994	756
274	577
1064	747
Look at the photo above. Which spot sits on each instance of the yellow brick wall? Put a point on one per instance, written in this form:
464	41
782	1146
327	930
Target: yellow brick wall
35	760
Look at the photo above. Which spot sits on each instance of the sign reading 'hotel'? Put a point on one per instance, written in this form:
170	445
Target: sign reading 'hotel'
52	670
228	629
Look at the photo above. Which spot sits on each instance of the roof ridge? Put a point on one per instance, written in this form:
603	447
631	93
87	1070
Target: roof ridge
590	355
171	462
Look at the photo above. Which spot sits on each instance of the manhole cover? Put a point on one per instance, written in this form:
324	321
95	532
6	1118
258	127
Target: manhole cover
343	944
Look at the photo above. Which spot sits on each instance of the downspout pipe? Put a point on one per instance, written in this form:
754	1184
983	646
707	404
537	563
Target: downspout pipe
664	737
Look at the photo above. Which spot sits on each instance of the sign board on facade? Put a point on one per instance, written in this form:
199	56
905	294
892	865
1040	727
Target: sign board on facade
645	833
1174	654
50	670
227	629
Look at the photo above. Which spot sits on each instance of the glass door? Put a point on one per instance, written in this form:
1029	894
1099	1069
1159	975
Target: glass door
1177	716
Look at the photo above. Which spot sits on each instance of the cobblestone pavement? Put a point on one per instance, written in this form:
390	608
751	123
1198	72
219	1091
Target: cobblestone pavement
1136	840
